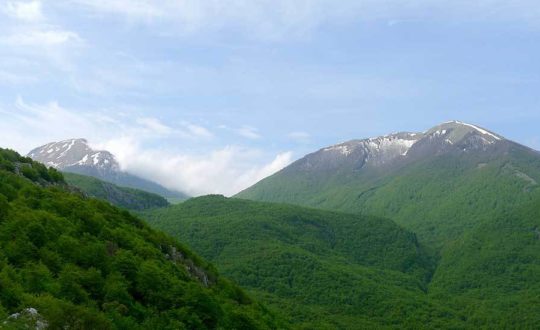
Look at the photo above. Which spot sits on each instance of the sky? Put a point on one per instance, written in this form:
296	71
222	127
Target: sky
211	96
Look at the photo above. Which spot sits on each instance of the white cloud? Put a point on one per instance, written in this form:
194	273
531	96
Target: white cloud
224	170
29	11
227	170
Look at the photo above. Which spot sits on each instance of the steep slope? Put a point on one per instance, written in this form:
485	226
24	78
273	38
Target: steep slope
324	269
496	268
76	156
68	262
437	183
129	198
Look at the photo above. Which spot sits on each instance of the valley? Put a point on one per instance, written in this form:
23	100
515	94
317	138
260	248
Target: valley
409	230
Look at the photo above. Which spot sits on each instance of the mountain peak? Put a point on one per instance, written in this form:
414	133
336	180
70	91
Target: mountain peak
76	156
452	136
73	152
455	132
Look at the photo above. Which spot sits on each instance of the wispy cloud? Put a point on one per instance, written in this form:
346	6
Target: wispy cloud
197	131
30	11
154	125
225	169
248	132
37	37
276	19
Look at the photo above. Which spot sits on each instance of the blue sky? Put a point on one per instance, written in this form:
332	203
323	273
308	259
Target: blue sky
211	96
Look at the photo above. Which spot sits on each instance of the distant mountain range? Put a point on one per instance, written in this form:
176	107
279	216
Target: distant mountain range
436	183
76	156
468	201
430	230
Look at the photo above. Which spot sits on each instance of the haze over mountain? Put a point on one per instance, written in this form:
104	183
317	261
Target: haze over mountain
129	198
425	181
76	156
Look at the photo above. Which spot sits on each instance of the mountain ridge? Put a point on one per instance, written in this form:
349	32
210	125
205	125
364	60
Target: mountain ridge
419	185
77	156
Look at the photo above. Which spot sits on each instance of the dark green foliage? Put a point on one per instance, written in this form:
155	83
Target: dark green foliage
84	264
437	197
480	212
328	270
324	269
129	198
496	268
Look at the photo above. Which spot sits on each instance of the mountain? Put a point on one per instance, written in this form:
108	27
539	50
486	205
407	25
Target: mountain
129	198
328	270
438	183
68	262
76	156
324	270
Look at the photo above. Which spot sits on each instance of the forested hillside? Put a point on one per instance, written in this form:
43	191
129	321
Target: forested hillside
331	270
68	262
129	198
323	269
437	190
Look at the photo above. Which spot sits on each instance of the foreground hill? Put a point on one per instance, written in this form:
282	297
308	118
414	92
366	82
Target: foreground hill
324	269
76	156
339	271
129	198
438	183
68	262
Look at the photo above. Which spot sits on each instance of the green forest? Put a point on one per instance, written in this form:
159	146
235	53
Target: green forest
327	270
72	262
76	253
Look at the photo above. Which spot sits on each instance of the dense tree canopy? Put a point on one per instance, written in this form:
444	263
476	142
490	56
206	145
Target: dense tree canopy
84	264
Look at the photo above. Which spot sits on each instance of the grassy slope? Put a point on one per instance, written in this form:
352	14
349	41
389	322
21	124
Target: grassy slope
327	270
83	264
129	198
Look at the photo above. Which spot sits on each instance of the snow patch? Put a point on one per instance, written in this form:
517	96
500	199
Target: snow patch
481	130
95	158
388	143
83	160
343	149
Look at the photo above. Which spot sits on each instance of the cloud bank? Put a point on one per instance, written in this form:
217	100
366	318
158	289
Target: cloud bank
132	139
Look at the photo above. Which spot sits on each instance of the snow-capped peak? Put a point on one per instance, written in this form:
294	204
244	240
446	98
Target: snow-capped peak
478	129
73	152
377	149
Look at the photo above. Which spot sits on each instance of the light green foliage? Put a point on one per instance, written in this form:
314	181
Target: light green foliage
84	264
